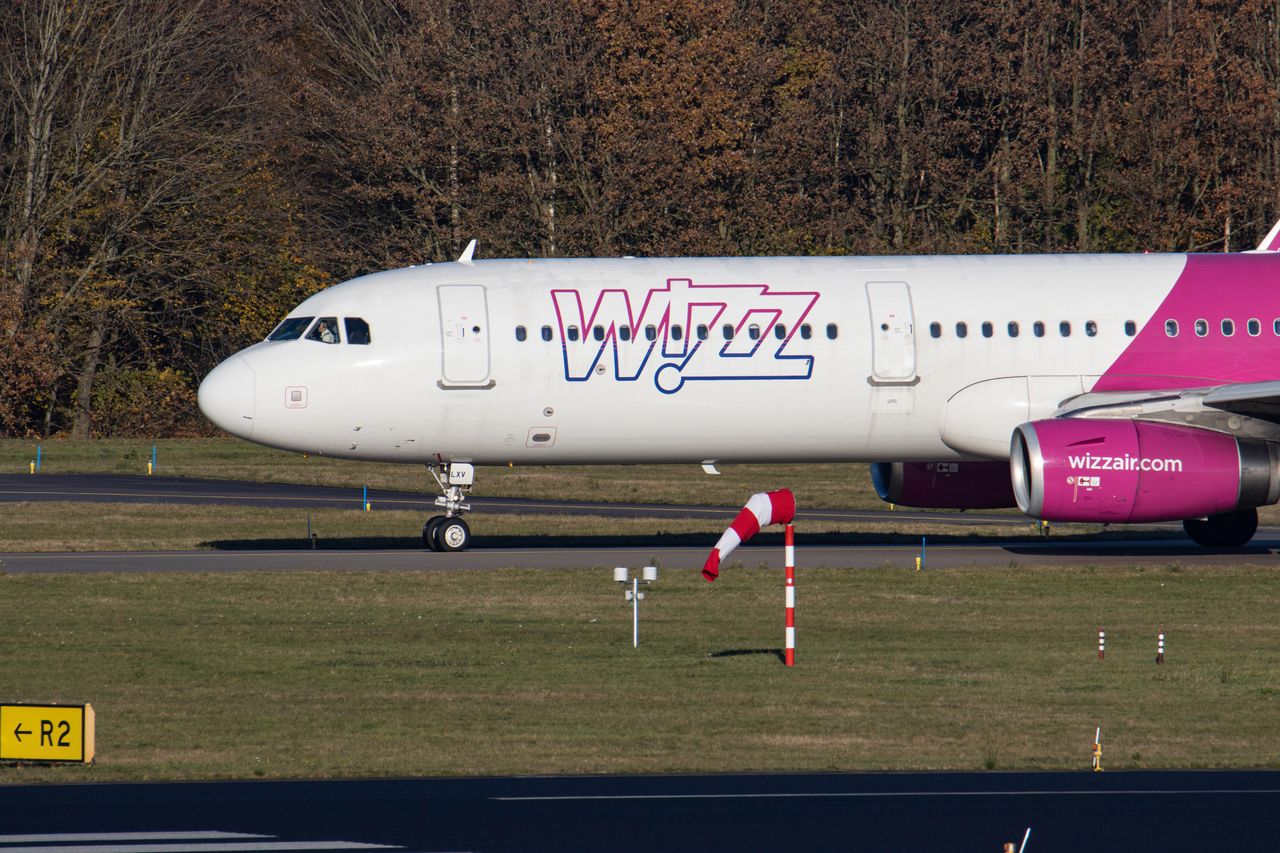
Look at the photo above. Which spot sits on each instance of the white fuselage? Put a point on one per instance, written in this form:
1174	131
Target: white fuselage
870	364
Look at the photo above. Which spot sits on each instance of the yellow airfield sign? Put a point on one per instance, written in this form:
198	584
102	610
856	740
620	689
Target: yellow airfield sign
46	733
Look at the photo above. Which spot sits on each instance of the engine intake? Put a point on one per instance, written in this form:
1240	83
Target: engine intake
944	485
1081	469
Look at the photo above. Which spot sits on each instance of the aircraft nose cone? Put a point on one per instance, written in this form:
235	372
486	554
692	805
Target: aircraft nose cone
228	396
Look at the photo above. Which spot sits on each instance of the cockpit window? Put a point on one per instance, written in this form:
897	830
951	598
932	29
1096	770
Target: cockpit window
358	331
325	331
291	329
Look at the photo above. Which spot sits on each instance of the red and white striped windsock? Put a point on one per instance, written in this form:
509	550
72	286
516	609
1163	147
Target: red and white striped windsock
763	509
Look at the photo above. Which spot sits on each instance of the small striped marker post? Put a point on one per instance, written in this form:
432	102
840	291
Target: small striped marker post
1160	646
1102	643
789	656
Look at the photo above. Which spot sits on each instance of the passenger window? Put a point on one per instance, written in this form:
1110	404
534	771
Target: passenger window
1254	327
962	330
1228	328
753	332
1202	328
780	331
1064	329
358	331
1130	328
573	333
703	332
728	331
325	331
597	332
806	331
1171	328
1275	326
651	333
832	331
1013	329
624	332
988	330
1090	328
935	330
677	332
1038	328
546	333
293	327
521	334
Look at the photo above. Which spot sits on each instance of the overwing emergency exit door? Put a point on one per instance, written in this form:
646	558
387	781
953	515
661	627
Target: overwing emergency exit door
893	337
464	336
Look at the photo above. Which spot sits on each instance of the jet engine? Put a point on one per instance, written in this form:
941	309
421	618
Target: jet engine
1081	469
944	485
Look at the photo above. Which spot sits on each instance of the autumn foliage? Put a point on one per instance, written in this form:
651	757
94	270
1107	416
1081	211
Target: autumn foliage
173	177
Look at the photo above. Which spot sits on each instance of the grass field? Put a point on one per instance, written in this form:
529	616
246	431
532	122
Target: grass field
514	671
828	486
533	672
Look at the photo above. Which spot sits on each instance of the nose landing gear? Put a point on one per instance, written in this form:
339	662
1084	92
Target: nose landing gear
449	532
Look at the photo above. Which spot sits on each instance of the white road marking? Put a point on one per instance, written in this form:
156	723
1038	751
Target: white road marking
228	847
885	794
87	837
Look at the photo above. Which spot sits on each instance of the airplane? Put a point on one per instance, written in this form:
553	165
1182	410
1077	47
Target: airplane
1078	388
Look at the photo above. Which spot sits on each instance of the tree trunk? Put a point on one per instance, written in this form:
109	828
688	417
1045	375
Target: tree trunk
83	424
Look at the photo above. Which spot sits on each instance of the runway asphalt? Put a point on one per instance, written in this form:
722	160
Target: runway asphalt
123	488
551	557
902	813
669	552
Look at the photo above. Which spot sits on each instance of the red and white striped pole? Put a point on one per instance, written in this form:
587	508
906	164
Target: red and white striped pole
1160	645
790	654
1102	643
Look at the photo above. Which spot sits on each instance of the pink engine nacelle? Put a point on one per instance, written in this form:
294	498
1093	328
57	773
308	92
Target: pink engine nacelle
944	485
1080	469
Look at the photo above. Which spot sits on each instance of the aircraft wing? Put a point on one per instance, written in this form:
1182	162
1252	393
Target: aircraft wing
1249	409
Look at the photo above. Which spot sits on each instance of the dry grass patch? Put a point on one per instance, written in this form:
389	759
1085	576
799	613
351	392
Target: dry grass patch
824	485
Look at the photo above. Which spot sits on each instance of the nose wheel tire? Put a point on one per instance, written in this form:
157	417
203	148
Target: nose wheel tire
453	534
429	532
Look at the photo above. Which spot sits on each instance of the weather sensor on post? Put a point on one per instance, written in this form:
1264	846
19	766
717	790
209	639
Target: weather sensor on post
649	574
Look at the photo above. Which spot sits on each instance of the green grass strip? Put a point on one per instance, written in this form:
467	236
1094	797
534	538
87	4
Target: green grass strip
520	672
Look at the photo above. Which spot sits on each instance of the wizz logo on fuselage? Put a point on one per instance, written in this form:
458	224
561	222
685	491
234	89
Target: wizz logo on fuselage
683	332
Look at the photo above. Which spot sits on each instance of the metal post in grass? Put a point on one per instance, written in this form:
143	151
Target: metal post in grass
634	595
1160	645
1102	643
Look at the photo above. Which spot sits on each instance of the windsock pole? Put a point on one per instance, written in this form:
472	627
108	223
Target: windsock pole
1160	645
790	654
1102	643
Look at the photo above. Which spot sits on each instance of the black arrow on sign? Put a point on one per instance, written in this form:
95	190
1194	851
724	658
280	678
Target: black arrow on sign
19	731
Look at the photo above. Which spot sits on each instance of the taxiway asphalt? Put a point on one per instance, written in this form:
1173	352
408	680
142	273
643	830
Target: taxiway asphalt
673	553
901	812
124	488
552	557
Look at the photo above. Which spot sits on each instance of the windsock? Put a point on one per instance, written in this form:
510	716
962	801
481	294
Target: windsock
763	509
